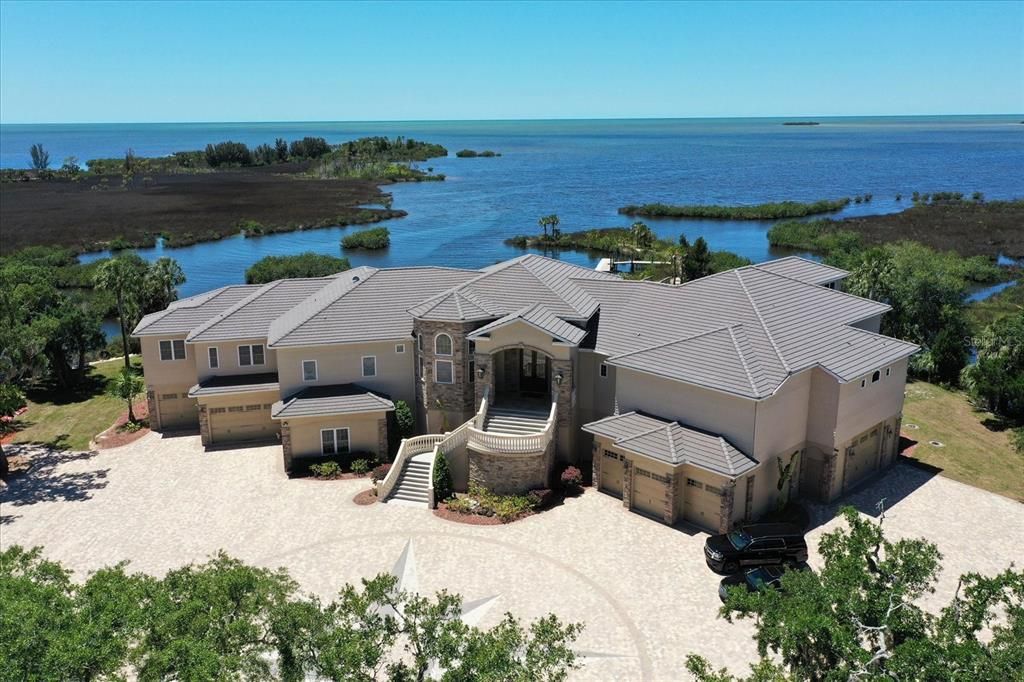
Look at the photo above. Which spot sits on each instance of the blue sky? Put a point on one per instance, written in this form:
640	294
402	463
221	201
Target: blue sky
121	61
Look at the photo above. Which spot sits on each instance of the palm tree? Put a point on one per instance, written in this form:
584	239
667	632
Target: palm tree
553	221
166	275
122	276
543	222
642	235
127	386
40	157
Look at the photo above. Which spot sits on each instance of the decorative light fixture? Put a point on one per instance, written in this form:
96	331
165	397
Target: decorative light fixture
559	378
480	371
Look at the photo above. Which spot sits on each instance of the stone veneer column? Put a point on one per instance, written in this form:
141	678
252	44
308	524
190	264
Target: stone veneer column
204	425
595	456
382	438
564	391
457	397
669	511
154	416
627	483
725	508
828	474
286	445
749	498
483	362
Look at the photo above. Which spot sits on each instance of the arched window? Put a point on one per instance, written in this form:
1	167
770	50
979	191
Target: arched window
443	344
876	376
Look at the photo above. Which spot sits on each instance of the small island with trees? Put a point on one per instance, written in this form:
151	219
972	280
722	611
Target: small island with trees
470	154
768	211
372	239
801	123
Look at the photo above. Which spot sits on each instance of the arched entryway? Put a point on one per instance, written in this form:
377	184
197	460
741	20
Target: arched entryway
522	375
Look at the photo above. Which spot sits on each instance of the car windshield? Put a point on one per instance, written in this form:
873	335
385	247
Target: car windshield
759	577
739	539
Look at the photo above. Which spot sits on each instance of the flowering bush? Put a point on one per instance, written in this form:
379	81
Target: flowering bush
380	472
572	477
541	497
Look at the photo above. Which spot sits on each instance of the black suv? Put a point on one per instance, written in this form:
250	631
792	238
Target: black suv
756	544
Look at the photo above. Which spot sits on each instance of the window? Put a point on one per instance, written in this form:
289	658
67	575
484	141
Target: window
863	383
236	408
214	359
472	371
309	370
253	408
611	455
420	361
604	370
369	365
251	355
399	347
419	342
876	376
694	483
443	344
217	410
887	371
172	350
334	441
169	396
443	372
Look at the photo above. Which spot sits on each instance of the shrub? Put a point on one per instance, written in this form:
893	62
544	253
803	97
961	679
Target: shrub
541	498
379	473
360	466
228	153
462	505
309	148
404	418
326	469
572	477
309	264
442	478
374	238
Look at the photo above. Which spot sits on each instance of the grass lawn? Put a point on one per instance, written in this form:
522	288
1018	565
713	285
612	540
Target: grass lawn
975	451
69	418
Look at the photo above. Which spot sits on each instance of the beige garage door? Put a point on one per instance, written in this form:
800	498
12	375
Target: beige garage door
611	473
649	492
240	423
702	504
862	458
177	411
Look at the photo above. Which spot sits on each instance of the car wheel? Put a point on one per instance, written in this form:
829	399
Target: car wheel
730	567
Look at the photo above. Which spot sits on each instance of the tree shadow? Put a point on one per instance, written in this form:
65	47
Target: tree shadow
46	479
883	491
51	393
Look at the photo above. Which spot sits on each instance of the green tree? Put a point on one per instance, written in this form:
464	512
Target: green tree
11	400
404	419
554	221
123	278
697	260
859	617
543	222
127	385
72	328
309	264
442	478
40	157
162	279
996	380
281	149
643	237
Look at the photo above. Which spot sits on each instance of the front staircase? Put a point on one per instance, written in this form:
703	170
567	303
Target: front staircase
515	422
413	481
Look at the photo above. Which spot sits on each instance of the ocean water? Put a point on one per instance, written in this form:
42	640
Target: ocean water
584	171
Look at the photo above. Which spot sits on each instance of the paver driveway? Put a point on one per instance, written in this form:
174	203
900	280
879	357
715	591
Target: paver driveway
641	588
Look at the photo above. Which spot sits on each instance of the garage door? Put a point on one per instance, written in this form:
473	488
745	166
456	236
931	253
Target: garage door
862	458
611	473
702	504
177	411
240	423
649	493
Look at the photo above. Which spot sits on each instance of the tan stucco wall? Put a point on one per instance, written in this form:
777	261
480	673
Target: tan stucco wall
342	364
521	333
732	417
781	420
861	408
170	373
227	354
363	432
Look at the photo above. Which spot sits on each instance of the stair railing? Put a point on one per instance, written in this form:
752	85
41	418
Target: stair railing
410	446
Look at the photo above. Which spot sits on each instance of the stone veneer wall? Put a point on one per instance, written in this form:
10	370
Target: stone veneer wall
382	438
509	474
286	445
154	415
457	397
204	425
725	509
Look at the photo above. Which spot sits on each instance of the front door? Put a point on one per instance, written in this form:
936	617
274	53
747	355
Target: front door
534	373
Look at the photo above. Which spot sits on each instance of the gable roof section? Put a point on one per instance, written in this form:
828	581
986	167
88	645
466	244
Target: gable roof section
672	443
749	321
320	401
371	308
512	285
185	314
804	270
251	317
540	317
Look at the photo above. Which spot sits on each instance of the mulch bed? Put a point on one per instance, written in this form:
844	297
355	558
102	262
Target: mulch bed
443	512
116	436
10	423
366	497
348	475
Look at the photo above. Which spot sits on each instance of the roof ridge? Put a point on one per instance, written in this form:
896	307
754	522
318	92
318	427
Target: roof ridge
328	300
817	286
648	432
743	359
231	310
725	455
760	319
669	343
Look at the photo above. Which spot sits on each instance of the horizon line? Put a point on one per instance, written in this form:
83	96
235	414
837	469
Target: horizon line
802	117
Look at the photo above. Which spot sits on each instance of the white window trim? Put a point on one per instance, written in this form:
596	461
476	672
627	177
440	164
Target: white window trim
399	347
604	371
334	439
436	380
252	359
362	365
316	371
451	344
173	358
213	357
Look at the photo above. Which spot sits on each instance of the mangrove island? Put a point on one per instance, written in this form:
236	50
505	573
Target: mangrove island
770	211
